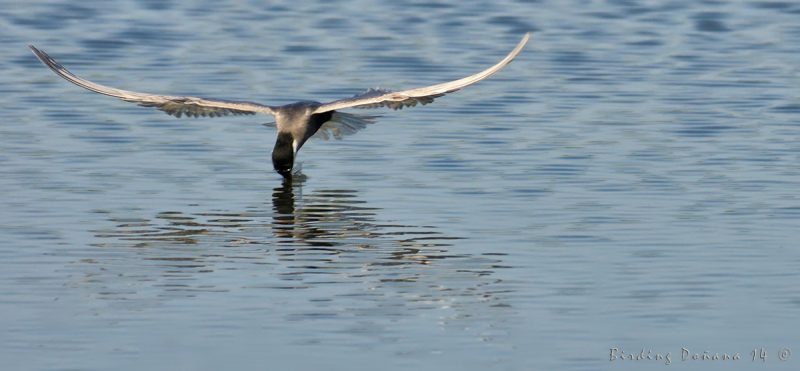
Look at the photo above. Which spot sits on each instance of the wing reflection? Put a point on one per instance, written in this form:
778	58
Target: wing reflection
293	241
333	220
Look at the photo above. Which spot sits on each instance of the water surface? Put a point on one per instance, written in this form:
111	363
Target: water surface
629	182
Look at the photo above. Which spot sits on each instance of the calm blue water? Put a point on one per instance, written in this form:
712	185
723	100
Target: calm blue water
630	182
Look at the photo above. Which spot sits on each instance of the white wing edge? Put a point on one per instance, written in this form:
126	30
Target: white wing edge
428	91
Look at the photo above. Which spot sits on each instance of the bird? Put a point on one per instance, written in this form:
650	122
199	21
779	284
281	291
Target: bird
295	122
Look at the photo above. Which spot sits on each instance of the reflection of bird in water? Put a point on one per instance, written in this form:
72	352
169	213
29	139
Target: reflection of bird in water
334	217
283	201
295	122
294	240
331	220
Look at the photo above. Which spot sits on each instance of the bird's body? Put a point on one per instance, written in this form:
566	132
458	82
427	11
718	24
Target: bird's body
296	122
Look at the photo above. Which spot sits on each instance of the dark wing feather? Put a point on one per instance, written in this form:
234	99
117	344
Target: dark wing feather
380	95
408	98
174	105
342	124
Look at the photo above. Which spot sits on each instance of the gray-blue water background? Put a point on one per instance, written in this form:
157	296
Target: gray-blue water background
631	181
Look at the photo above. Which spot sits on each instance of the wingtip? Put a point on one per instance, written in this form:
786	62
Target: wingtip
521	44
38	53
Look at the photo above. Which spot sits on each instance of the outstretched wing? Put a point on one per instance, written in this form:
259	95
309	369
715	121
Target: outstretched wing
173	105
408	98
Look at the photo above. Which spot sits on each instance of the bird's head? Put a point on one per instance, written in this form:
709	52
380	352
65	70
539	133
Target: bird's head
283	155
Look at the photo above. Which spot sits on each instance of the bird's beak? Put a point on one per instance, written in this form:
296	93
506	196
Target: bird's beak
286	173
